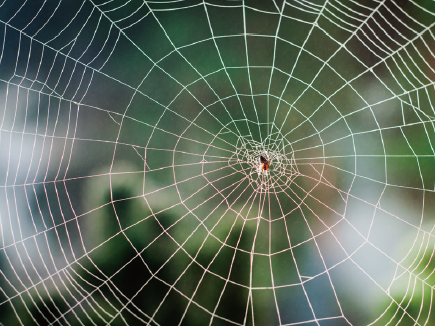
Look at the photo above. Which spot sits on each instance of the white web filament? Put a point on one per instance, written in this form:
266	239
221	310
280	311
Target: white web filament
131	186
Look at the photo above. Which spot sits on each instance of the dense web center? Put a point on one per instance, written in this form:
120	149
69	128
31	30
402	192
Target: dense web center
281	166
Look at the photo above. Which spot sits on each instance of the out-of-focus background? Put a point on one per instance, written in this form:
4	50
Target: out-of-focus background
131	189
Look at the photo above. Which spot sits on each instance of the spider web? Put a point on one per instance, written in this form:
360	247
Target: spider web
131	189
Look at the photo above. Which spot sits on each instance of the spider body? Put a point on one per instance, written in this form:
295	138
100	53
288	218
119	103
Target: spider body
264	165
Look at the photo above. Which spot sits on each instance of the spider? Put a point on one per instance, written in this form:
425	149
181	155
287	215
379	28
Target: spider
264	165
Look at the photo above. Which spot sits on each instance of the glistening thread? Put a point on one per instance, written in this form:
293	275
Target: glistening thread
219	162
